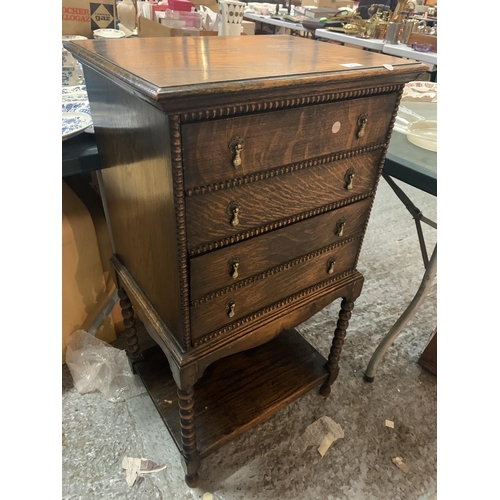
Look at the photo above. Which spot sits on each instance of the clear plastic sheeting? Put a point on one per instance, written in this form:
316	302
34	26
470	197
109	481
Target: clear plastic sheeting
97	366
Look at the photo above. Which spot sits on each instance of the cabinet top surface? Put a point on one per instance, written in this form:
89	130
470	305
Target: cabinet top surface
161	66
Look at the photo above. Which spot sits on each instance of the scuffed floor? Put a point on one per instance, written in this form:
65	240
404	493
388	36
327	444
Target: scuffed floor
266	463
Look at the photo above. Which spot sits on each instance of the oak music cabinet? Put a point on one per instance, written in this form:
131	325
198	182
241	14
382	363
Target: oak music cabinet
238	176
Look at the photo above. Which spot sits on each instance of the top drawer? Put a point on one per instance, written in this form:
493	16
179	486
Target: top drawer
281	137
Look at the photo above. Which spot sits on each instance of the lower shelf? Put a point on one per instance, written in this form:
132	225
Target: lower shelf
237	392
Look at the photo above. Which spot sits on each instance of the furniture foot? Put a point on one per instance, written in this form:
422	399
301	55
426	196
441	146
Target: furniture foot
129	322
338	341
190	455
388	340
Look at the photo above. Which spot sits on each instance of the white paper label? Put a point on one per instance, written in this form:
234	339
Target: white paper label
390	67
336	127
351	65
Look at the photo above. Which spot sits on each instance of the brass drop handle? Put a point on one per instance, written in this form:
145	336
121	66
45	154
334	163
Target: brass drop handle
340	228
350	179
362	121
236	145
231	306
330	264
235	220
234	273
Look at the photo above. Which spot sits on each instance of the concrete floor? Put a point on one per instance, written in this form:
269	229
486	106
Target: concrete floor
264	463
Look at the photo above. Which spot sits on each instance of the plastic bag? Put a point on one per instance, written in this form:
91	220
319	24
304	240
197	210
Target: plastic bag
95	365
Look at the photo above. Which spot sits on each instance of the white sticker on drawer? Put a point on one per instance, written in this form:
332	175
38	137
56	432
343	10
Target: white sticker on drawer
351	65
336	127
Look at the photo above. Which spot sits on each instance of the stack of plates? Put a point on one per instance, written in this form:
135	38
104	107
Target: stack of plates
108	33
76	117
417	128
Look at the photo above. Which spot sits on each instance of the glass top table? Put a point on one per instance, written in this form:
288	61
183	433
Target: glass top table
409	163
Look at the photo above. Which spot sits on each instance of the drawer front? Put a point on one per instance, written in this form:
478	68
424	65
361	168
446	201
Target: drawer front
217	215
230	265
210	315
281	137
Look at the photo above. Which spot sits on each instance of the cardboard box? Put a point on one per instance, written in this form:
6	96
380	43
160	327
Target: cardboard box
248	27
85	285
82	17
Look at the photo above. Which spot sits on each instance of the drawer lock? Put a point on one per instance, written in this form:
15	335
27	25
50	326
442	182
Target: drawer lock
231	306
236	145
362	120
330	264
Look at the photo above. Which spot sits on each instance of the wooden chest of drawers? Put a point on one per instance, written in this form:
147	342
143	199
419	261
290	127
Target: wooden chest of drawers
238	177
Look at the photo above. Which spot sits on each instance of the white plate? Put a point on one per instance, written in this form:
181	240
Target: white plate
420	92
77	101
423	133
109	33
74	123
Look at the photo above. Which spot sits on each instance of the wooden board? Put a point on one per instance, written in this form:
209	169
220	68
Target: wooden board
238	392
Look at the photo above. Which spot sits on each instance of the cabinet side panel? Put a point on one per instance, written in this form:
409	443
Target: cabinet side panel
133	139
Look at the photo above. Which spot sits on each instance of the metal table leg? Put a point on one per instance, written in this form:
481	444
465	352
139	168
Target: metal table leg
388	340
424	289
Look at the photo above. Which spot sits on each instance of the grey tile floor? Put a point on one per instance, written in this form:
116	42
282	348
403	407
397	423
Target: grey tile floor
264	463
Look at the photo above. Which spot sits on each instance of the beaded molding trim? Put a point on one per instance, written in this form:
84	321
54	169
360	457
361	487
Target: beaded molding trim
293	167
272	307
379	172
180	220
208	247
257	107
273	270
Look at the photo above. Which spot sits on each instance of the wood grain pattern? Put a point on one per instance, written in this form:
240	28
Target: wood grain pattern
212	271
278	283
138	183
179	72
238	393
209	216
281	137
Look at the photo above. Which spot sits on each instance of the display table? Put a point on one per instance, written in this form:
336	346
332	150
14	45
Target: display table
365	43
402	50
211	180
416	167
280	26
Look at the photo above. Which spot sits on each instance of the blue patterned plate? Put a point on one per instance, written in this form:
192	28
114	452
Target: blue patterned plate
76	101
74	123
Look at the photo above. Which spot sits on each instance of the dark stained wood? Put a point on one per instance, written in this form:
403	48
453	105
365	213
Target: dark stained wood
337	343
129	323
163	111
189	450
238	392
281	137
290	278
212	271
138	183
209	216
428	358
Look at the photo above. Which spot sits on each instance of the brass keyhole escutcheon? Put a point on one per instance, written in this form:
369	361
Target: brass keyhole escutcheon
330	264
235	220
362	121
231	306
234	264
236	145
349	179
340	228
